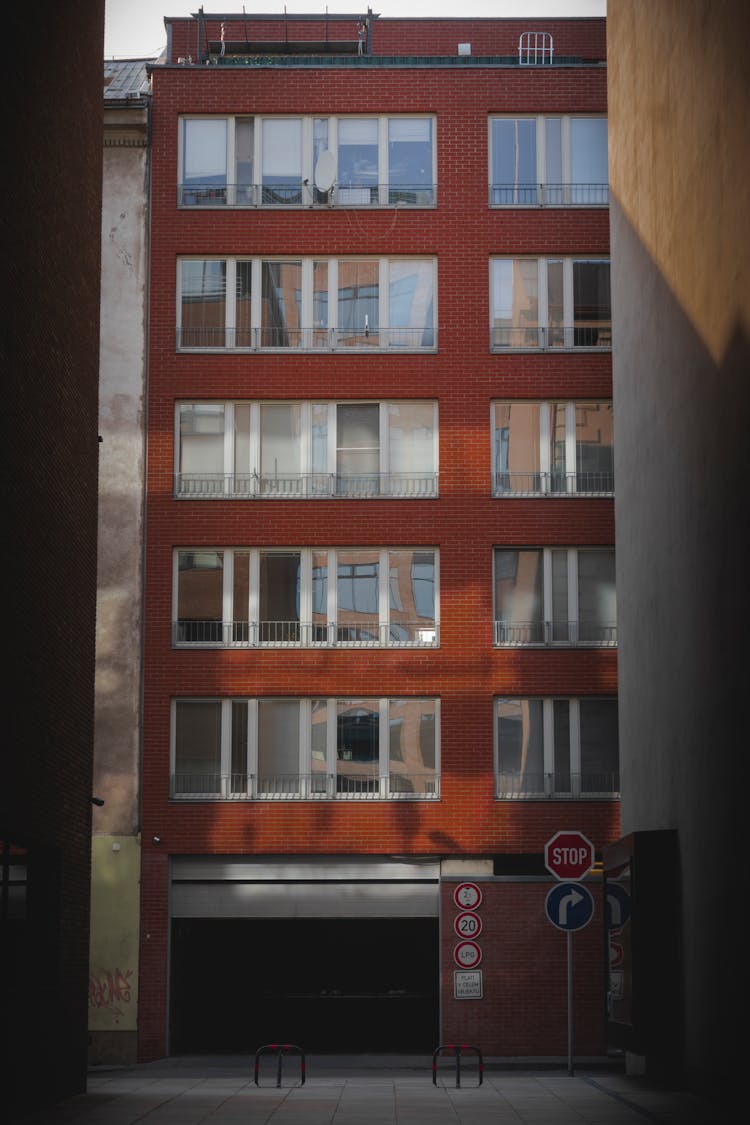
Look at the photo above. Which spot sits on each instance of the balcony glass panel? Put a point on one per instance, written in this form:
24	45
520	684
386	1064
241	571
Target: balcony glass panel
410	160
282	160
411	746
357	746
597	607
198	746
520	745
519	613
589	171
278	746
514	161
204	161
281	300
358	303
200	581
279	597
515	295
203	303
410	306
357	180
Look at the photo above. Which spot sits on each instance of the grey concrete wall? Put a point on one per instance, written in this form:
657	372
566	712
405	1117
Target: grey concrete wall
678	98
122	388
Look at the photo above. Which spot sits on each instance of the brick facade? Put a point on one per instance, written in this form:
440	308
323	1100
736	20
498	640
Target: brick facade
466	672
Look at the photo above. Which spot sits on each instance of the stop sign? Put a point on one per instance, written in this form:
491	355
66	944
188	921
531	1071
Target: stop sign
568	854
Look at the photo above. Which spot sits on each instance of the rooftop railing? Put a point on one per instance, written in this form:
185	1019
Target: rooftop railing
557	786
549	195
300	634
305	486
304	194
520	634
555	483
345	784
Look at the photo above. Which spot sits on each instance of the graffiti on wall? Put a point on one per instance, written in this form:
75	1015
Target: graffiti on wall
111	990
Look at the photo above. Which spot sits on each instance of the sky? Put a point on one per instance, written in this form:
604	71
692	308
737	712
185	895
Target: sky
135	28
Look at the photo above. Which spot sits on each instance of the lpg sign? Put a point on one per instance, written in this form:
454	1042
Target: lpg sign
568	855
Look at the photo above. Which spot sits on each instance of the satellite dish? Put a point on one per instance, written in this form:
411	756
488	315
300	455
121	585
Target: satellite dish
325	170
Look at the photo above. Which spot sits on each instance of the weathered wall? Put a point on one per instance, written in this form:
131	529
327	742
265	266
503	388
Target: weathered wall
679	105
122	387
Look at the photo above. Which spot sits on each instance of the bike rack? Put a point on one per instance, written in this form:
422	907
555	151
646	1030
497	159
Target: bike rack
458	1050
281	1050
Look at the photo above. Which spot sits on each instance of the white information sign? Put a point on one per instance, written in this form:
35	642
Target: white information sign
467	984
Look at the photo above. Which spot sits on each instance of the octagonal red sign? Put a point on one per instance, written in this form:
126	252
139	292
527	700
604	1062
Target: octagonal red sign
568	854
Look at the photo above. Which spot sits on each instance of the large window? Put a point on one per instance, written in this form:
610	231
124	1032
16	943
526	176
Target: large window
280	450
276	161
550	303
363	748
547	748
241	597
548	161
552	448
555	596
306	303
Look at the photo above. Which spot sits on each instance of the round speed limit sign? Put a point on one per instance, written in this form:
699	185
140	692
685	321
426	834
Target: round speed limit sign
467	924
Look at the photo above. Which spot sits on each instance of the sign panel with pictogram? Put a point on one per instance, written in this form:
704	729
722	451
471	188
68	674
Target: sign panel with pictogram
568	855
569	907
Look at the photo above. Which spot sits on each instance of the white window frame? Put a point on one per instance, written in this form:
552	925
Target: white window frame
544	469
306	790
548	748
231	613
548	621
309	197
544	194
388	337
544	333
227	487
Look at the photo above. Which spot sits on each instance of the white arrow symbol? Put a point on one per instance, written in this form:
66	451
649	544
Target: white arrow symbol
566	902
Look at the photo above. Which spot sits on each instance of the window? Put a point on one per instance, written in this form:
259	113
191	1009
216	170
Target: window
306	450
363	597
273	161
555	596
550	303
306	303
548	161
235	749
552	448
556	748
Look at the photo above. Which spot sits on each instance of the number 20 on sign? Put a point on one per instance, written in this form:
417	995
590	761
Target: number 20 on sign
467	924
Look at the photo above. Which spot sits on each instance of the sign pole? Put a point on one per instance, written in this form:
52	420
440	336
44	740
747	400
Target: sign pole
570	1003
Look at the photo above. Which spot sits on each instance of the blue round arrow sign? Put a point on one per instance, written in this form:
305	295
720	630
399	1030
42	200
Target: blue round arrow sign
569	906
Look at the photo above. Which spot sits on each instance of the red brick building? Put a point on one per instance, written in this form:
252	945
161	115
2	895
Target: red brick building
380	653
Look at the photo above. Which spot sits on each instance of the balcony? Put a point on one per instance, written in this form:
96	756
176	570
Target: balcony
549	195
304	194
297	634
565	634
305	486
596	336
556	483
355	784
562	786
365	339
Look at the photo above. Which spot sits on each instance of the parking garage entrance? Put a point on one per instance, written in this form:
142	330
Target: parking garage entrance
333	955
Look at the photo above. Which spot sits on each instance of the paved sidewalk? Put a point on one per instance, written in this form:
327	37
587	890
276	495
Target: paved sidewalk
372	1092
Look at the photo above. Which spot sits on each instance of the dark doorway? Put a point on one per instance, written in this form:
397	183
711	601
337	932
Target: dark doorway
328	985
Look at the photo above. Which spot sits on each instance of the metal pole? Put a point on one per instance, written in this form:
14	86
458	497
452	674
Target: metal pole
570	1003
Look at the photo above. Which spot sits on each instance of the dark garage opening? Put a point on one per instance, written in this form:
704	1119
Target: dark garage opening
345	985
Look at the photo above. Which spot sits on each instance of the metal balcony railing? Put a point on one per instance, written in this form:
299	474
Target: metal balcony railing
345	784
303	194
556	786
549	195
593	335
588	634
299	634
555	483
305	486
365	338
